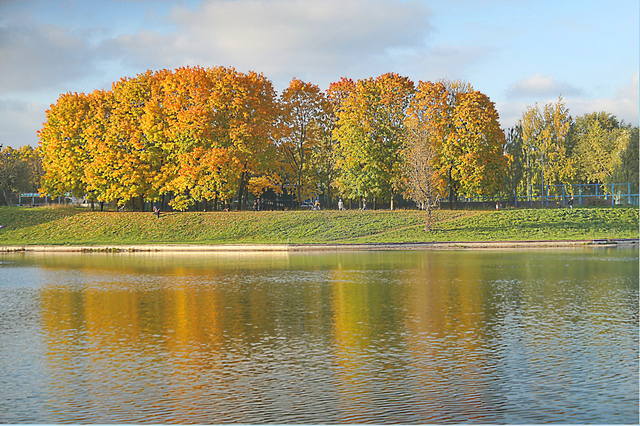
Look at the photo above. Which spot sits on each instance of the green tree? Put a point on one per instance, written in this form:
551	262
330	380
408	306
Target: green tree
370	131
547	144
516	161
14	173
33	162
627	171
600	143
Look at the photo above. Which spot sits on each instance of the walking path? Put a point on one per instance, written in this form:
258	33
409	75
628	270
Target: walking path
195	248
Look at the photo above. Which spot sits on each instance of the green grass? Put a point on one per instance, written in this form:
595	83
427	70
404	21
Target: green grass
77	226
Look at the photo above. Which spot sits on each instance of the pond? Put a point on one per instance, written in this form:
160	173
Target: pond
492	336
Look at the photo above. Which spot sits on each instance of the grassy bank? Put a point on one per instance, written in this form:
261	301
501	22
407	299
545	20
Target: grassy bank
77	226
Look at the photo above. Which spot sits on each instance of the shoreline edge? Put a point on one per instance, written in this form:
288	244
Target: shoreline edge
206	248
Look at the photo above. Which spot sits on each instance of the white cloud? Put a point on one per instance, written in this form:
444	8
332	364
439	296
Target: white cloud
44	56
439	62
316	41
19	121
539	85
282	38
623	103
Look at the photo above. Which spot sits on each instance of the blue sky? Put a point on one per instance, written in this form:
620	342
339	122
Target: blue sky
517	52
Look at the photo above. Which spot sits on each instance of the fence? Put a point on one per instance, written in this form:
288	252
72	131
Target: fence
583	194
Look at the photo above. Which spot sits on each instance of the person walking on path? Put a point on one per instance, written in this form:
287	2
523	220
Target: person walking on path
156	211
570	202
340	204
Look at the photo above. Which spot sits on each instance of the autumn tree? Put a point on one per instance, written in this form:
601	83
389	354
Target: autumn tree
369	131
198	135
429	119
600	142
476	145
422	183
303	118
463	127
324	153
205	174
129	163
95	136
252	128
545	134
258	185
433	106
63	145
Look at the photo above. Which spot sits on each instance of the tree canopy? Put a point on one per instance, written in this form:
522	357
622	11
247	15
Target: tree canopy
196	135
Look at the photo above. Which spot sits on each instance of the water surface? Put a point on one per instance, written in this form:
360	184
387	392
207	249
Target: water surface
386	337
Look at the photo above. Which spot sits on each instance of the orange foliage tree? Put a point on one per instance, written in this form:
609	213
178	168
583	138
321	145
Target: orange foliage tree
476	146
197	134
304	116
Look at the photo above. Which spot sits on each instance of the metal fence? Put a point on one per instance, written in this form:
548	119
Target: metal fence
583	194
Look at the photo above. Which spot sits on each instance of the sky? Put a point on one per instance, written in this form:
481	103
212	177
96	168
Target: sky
519	53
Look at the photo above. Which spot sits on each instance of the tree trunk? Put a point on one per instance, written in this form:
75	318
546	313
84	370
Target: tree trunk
245	199
427	225
451	191
241	189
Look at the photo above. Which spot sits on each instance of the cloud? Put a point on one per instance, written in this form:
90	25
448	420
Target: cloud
316	41
42	56
539	85
623	103
439	62
19	121
283	38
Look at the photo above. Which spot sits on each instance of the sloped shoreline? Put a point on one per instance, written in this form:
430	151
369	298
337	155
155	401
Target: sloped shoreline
213	248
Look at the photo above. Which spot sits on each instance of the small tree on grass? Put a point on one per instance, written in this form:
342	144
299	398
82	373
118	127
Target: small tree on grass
422	184
14	173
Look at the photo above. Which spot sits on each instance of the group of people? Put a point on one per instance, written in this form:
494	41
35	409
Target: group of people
316	206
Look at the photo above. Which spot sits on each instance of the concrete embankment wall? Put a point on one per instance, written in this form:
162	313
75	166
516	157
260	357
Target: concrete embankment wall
315	247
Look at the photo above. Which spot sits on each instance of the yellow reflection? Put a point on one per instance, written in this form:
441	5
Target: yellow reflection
351	309
445	322
100	340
